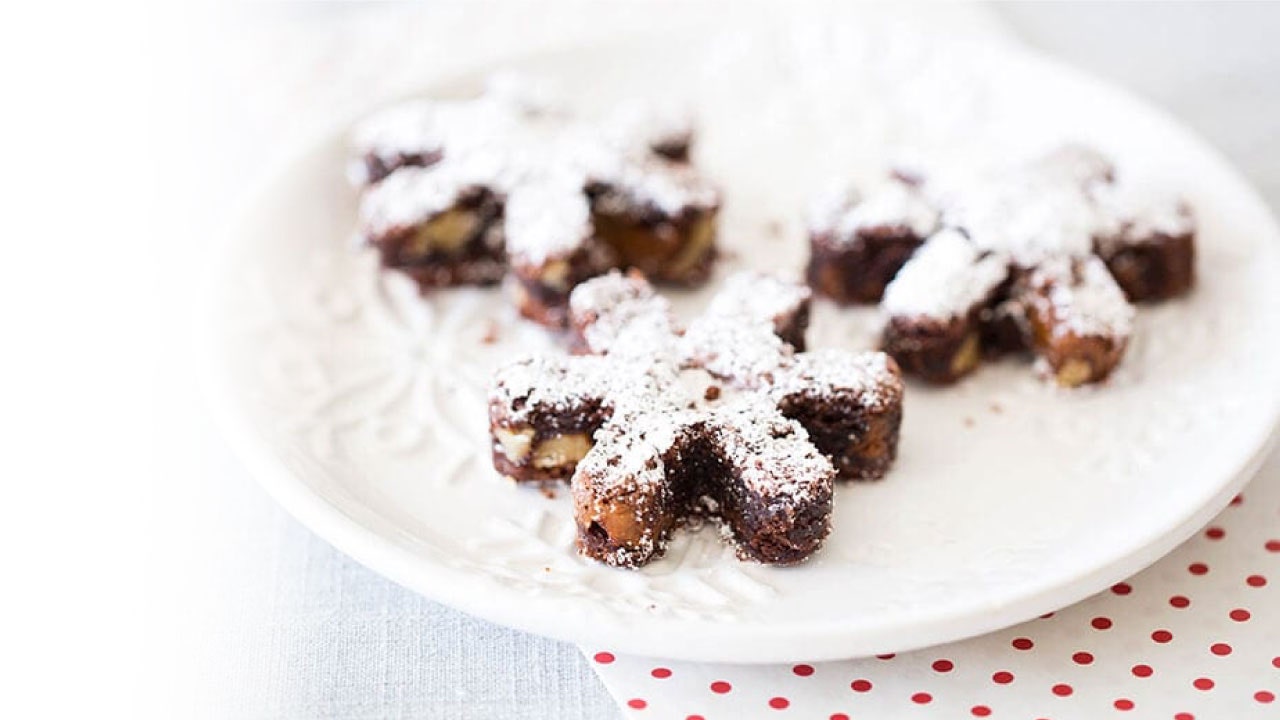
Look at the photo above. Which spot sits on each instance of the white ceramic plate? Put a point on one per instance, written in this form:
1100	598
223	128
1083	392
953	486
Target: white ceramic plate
360	406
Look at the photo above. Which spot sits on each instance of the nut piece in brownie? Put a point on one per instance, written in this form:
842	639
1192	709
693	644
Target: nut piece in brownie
441	226
859	241
1148	242
1078	318
934	307
649	439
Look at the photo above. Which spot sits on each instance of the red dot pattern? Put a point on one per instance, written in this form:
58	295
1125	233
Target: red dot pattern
1213	600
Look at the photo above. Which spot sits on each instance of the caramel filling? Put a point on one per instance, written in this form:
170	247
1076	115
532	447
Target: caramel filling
515	443
447	232
560	450
967	357
1074	372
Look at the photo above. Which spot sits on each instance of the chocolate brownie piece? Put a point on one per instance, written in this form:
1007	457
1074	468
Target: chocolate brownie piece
851	406
1078	318
933	307
649	438
440	226
1148	244
553	247
616	310
543	414
858	243
475	183
754	296
657	218
746	467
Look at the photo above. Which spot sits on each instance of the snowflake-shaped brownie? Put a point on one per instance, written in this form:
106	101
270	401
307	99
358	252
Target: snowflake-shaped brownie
727	420
467	192
1044	258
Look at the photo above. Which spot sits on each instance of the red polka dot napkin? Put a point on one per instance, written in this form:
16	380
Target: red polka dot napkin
1195	636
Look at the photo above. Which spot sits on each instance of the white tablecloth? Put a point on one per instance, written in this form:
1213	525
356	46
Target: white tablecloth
285	626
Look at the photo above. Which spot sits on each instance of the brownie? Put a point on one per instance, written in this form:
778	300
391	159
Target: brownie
934	307
654	430
469	191
659	219
1078	318
850	406
1149	244
1039	259
751	296
543	414
439	227
858	243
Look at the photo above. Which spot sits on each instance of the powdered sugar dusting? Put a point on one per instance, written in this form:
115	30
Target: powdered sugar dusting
547	219
945	278
1084	298
1137	213
870	379
892	203
753	296
771	455
519	145
743	353
413	195
621	313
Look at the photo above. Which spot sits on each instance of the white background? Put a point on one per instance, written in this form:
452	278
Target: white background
142	564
